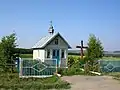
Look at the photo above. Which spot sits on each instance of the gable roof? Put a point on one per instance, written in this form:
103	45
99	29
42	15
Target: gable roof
46	40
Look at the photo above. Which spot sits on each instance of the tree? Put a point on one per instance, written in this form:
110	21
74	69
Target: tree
7	48
95	48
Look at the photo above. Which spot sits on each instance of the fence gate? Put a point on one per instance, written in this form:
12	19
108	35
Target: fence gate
37	68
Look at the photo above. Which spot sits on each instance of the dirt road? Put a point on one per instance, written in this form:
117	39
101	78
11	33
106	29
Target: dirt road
92	82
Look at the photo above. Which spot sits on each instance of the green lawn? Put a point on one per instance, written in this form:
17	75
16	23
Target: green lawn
111	58
31	55
104	58
13	82
76	56
26	55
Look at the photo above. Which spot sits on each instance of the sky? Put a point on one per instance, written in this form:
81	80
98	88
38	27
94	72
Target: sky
74	19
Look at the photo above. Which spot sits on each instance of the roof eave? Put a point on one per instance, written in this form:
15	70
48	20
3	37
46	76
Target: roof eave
37	48
69	47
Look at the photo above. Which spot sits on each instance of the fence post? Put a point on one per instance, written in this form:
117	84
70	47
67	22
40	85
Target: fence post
99	67
20	67
56	66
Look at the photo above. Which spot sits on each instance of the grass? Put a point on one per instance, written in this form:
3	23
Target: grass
104	58
70	71
13	82
26	55
31	55
111	58
76	56
115	75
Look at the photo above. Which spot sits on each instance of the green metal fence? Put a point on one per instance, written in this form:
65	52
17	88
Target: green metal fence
110	65
37	68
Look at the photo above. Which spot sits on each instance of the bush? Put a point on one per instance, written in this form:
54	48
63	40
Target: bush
73	70
75	63
76	59
71	61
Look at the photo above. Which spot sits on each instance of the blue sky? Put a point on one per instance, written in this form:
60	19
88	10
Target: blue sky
74	19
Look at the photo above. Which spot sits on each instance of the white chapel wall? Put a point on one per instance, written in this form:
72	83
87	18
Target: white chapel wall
39	54
35	54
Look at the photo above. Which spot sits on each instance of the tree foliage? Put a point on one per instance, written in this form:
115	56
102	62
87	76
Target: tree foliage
23	51
95	48
7	49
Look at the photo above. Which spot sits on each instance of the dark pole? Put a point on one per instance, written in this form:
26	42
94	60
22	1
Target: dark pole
81	49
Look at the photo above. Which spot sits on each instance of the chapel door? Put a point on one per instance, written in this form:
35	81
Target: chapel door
56	55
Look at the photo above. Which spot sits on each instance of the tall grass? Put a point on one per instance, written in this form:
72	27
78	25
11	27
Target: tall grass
12	81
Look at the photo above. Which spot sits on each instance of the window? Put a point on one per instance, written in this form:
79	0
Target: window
53	53
57	52
48	53
63	54
56	41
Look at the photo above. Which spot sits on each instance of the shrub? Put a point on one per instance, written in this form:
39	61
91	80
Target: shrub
73	70
71	61
75	63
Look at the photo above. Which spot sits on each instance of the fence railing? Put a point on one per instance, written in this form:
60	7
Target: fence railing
103	66
37	68
110	65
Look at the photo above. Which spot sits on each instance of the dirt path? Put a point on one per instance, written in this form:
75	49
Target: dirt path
92	82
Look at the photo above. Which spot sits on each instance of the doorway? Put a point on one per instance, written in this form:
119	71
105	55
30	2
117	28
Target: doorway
56	55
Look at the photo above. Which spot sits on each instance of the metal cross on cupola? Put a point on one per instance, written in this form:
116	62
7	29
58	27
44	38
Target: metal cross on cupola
82	47
51	29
